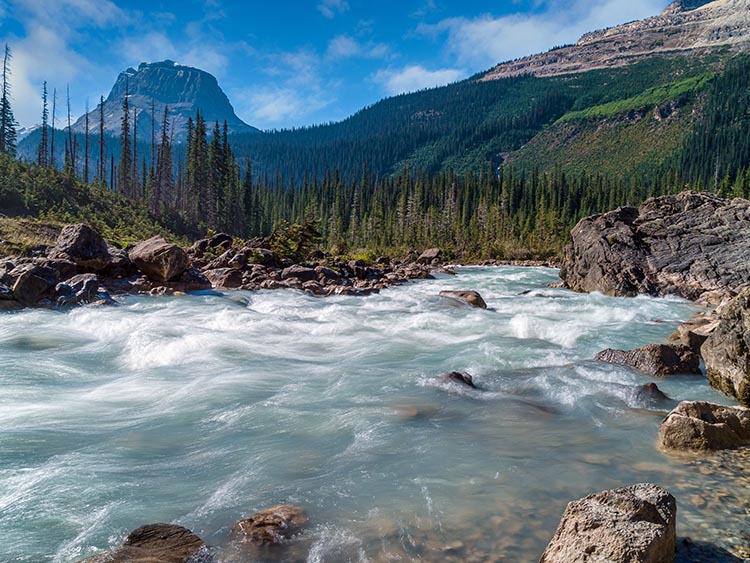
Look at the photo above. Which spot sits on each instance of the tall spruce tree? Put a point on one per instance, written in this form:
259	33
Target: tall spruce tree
102	160
125	166
43	149
8	132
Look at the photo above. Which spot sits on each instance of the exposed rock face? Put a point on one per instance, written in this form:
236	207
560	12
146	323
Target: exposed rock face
159	260
658	360
82	288
700	426
472	298
686	25
685	244
429	255
84	246
695	332
301	273
270	526
183	89
727	350
156	543
625	525
224	278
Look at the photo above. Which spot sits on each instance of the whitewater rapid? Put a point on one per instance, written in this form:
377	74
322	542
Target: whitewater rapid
202	409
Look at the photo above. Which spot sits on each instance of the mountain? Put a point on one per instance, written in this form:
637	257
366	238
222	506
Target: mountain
183	89
684	27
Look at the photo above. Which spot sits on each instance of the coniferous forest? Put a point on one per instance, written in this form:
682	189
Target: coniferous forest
395	176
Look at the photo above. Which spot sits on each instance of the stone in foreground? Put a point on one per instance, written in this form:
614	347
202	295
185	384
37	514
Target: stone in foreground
657	360
271	526
685	244
633	524
701	426
471	298
83	245
727	350
159	260
156	543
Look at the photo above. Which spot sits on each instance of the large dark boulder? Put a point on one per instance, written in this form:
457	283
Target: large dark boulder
271	526
701	426
727	350
156	543
159	260
429	255
627	525
471	298
83	288
33	283
83	245
685	244
224	278
658	360
302	273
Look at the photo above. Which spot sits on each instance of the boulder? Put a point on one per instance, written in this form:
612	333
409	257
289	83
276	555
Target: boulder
471	298
5	292
633	524
302	273
83	288
651	394
156	543
65	268
120	265
195	280
429	255
685	244
694	332
460	378
727	350
33	283
271	526
224	278
83	245
657	360
327	276
701	426
158	259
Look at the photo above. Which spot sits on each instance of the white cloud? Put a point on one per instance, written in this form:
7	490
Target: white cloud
487	40
415	77
346	47
330	8
276	106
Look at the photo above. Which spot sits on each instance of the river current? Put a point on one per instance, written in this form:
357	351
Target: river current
202	409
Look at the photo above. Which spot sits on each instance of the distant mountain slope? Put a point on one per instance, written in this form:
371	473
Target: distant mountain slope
183	89
685	26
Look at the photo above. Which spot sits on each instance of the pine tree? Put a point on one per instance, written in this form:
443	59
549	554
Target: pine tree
8	133
52	133
86	146
163	185
102	160
125	178
43	149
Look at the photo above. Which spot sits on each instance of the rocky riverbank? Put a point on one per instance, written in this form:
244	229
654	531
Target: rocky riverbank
82	268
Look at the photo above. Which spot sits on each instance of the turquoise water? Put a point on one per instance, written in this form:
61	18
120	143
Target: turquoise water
202	409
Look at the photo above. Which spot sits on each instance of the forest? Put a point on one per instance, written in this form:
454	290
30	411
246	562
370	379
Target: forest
387	180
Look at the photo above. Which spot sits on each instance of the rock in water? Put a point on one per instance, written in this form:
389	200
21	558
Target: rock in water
82	288
684	244
700	426
84	246
651	394
33	283
429	255
159	260
156	543
470	297
461	378
627	525
658	360
727	350
271	526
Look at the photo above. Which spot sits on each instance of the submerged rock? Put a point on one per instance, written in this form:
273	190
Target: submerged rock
459	377
271	526
84	246
625	525
701	426
658	360
727	350
685	244
156	543
159	260
471	298
651	394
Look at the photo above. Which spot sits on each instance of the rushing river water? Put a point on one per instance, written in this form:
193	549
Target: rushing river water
199	410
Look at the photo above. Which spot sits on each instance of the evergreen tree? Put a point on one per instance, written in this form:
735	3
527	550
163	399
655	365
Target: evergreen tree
125	166
43	149
8	132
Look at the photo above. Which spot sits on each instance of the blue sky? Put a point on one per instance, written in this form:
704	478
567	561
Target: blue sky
287	63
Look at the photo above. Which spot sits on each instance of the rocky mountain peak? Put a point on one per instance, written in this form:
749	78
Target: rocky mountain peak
683	27
183	89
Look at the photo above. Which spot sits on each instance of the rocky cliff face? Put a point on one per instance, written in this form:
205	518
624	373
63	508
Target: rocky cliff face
686	244
183	89
684	26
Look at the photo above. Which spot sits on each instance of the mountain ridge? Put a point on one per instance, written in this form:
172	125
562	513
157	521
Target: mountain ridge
183	89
